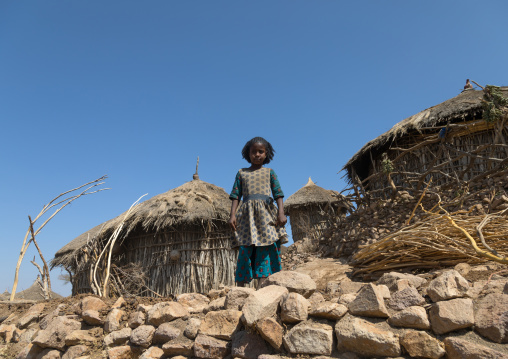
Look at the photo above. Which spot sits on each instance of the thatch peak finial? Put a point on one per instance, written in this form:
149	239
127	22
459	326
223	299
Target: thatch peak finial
309	183
195	176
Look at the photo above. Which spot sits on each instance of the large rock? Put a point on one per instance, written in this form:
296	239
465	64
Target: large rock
29	351
165	332
54	335
359	336
136	319
193	302
450	315
79	337
448	285
315	299
324	270
210	348
7	332
328	310
491	317
31	315
92	317
192	328
347	298
152	353
294	308
457	348
422	345
391	279
93	303
76	351
248	346
309	338
28	335
178	346
49	317
344	286
216	304
124	352
369	302
484	287
113	320
262	303
411	317
271	331
50	354
404	298
118	337
236	297
119	303
166	312
142	336
222	324
294	282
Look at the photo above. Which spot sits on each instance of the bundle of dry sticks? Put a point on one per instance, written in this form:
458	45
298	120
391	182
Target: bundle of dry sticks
439	239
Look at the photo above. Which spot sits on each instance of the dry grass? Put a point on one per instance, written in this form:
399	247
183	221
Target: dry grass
439	239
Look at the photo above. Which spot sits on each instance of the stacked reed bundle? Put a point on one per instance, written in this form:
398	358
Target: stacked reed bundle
439	239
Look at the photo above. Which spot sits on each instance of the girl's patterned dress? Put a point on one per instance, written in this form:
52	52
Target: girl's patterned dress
257	235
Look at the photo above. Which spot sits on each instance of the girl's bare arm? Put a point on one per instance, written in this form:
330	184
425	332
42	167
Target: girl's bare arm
232	216
281	217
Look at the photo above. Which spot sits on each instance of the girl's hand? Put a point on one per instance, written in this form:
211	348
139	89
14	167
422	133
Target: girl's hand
232	222
281	220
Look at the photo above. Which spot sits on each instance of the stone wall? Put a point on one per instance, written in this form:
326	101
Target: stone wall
399	315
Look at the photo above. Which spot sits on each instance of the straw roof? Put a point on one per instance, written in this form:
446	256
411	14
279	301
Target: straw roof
5	295
34	292
311	194
467	105
191	203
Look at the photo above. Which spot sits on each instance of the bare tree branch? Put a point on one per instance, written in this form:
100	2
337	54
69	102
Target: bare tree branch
53	203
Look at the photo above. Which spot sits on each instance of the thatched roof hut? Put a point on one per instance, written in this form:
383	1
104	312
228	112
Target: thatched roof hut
34	292
175	242
5	295
430	143
310	209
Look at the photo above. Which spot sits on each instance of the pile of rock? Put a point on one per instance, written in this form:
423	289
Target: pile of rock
399	315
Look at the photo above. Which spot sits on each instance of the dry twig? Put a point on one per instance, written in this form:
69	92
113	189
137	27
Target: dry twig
55	202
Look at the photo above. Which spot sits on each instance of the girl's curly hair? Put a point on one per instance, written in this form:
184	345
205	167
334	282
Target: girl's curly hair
270	152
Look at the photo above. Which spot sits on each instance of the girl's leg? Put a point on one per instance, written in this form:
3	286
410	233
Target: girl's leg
243	272
261	281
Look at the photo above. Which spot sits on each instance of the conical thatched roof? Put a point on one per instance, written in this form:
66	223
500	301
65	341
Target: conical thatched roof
193	202
311	194
466	106
5	295
34	292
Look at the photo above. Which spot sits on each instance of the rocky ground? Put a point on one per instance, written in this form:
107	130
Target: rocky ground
313	310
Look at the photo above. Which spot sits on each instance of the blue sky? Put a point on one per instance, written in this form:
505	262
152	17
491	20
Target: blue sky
137	90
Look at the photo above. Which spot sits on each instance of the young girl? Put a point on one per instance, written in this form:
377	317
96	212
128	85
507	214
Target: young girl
258	226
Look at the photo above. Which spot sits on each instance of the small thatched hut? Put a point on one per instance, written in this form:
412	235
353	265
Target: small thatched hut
173	243
311	208
450	142
34	292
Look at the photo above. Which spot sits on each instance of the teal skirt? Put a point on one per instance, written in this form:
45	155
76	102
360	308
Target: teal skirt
257	262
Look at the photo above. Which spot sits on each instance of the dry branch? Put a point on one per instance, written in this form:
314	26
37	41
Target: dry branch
55	202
